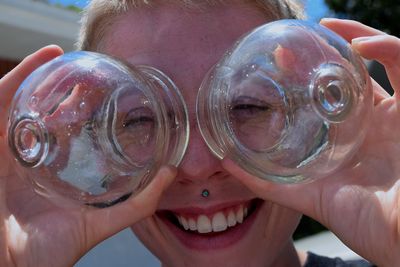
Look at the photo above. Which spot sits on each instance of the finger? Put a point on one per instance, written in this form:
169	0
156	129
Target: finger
349	29
12	80
299	197
285	59
384	49
53	86
122	215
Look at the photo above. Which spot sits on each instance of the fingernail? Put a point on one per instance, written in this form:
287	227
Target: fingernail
327	20
359	40
53	46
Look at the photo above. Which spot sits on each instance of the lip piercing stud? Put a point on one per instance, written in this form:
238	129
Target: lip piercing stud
205	193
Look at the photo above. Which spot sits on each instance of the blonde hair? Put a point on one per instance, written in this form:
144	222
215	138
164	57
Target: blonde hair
100	14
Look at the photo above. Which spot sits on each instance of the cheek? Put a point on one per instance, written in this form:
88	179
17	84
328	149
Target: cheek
281	223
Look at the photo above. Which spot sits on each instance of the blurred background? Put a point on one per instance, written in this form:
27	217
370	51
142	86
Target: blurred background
27	25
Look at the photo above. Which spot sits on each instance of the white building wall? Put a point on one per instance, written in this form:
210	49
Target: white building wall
27	25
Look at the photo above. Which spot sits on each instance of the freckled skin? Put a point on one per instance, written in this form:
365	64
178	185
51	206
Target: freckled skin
185	44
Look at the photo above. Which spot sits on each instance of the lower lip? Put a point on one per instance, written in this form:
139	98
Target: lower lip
212	241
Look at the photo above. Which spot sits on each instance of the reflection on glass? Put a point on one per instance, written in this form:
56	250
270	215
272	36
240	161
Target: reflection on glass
283	103
86	128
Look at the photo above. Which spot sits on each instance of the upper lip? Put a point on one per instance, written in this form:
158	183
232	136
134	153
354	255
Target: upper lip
210	209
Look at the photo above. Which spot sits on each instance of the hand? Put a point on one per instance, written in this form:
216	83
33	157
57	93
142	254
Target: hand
360	203
37	232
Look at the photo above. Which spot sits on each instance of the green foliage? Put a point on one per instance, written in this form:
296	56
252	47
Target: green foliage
70	7
380	14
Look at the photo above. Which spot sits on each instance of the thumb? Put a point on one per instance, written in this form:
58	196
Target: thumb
106	222
302	197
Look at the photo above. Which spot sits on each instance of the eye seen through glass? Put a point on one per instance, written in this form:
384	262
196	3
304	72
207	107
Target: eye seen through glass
257	110
135	126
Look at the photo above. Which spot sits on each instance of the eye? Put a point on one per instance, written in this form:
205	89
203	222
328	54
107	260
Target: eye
138	117
133	122
88	125
249	109
246	108
136	133
257	124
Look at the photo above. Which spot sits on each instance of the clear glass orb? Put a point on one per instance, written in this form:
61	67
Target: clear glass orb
289	102
89	129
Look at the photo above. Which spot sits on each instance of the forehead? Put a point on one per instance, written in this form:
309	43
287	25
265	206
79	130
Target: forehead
182	43
172	33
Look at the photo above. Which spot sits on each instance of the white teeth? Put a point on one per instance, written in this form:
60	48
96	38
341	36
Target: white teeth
192	224
231	219
239	214
203	224
184	223
219	222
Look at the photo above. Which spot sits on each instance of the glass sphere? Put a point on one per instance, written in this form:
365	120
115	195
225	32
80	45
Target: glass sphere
289	102
89	129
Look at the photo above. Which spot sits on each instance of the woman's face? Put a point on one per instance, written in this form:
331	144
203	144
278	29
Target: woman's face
230	227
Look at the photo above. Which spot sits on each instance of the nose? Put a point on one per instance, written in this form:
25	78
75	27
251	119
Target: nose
198	164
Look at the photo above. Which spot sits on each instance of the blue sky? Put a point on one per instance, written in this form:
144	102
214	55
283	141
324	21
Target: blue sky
79	3
316	9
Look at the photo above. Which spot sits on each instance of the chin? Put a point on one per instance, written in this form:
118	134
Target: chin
244	233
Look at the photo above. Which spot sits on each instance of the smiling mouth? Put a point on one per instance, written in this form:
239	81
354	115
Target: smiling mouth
214	223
